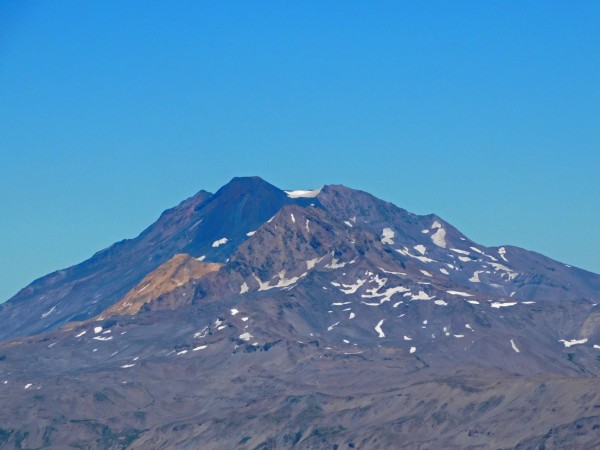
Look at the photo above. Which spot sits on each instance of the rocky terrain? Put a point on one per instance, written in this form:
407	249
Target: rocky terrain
258	318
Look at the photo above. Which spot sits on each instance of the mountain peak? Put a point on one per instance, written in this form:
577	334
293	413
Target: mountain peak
264	295
249	183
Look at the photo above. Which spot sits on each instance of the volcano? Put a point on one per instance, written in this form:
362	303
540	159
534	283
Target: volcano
260	318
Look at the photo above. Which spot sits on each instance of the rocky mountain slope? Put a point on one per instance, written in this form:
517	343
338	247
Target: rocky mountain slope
205	225
260	318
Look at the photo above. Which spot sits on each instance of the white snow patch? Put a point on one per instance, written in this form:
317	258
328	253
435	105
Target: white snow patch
441	303
306	225
246	336
444	271
465	258
303	193
100	338
219	242
459	293
97	330
427	274
511	273
514	346
462	252
331	327
202	333
391	273
573	342
475	277
234	311
502	304
335	264
378	328
352	315
201	258
436	224
473	302
352	288
388	293
81	334
283	282
502	252
341	303
182	352
459	336
420	248
144	288
439	237
413	349
27	386
293	218
47	313
312	263
244	288
405	252
422	295
348	223
250	233
387	236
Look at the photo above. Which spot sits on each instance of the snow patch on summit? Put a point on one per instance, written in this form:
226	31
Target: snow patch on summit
303	193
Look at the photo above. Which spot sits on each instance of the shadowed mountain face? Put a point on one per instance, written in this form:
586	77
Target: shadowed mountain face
262	318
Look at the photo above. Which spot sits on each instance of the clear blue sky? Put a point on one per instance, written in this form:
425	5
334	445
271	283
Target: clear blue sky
486	113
